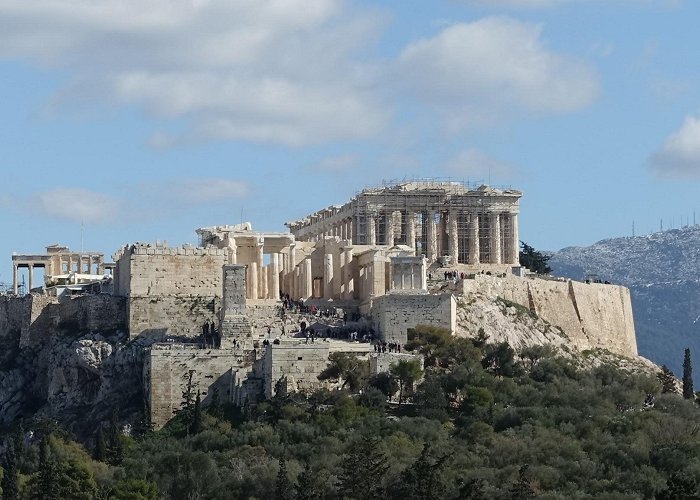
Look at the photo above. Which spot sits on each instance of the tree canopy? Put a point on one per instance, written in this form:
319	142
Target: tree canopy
534	260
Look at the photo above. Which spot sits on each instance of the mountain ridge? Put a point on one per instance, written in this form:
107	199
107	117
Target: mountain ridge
662	271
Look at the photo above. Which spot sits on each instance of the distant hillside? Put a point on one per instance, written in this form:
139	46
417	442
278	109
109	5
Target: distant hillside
662	271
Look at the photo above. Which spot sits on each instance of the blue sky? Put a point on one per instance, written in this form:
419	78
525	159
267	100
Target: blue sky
143	120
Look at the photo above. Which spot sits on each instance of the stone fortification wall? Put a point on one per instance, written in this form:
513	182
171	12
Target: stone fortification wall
299	362
591	315
14	315
166	373
394	314
160	317
35	317
173	271
171	291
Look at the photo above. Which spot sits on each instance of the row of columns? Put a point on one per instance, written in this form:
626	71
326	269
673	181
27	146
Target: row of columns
341	229
338	278
15	276
262	282
452	230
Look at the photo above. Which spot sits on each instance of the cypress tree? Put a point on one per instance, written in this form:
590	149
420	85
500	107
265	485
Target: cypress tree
284	490
196	427
688	392
100	445
115	450
46	484
10	478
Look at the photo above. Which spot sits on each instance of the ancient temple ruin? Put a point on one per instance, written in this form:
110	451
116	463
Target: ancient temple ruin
440	220
61	266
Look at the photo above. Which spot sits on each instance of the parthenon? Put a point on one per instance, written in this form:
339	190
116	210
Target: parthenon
384	239
445	220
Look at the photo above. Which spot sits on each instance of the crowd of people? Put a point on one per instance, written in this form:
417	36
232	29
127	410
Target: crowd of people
210	337
383	347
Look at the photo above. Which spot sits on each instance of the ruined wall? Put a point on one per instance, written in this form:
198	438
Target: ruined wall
301	363
591	315
157	317
380	363
166	373
38	316
14	315
395	313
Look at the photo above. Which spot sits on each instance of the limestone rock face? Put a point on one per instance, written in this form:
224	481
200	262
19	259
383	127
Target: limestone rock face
505	322
76	380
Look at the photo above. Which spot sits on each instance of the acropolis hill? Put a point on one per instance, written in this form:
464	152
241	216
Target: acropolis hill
346	278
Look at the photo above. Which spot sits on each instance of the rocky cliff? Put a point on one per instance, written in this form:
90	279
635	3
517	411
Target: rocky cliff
68	361
662	271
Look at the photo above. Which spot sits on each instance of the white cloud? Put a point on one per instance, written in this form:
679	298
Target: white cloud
263	70
475	165
335	164
492	69
679	157
76	205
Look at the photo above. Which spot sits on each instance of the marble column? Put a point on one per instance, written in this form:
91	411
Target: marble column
328	276
389	229
259	261
473	239
31	277
292	257
453	236
495	250
308	279
263	282
372	230
515	257
432	236
253	280
296	279
411	229
348	274
14	278
275	268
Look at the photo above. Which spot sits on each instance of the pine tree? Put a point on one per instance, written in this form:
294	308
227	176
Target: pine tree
363	469
688	392
422	480
308	485
667	379
534	260
10	478
521	489
472	489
